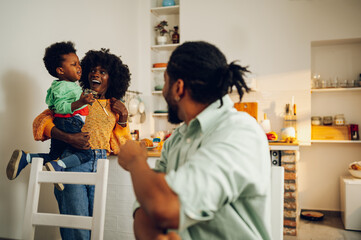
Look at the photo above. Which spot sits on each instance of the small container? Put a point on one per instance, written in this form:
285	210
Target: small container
344	83
339	120
316	120
327	120
156	142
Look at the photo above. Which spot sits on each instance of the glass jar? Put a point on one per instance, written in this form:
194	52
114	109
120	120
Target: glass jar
327	120
339	120
316	120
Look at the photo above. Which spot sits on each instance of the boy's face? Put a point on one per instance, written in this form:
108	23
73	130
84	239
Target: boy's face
70	69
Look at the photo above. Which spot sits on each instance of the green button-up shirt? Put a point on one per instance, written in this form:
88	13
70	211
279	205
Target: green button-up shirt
219	166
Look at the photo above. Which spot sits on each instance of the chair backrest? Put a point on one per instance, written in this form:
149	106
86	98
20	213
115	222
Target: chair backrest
277	198
94	223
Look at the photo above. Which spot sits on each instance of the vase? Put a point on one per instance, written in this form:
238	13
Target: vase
167	3
161	40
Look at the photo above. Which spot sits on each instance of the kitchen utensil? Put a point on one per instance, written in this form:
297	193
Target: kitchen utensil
141	107
142	117
133	106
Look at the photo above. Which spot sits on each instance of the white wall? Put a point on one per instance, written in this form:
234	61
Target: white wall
27	28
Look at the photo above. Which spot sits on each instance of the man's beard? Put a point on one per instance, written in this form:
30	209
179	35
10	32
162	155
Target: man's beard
173	114
172	110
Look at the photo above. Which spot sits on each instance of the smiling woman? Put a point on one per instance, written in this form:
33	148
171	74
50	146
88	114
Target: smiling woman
104	130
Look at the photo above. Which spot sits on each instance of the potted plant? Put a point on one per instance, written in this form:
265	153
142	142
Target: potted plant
162	38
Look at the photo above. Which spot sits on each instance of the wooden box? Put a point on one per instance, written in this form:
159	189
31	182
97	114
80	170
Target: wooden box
329	133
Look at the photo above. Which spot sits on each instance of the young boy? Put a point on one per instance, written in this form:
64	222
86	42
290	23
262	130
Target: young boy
69	104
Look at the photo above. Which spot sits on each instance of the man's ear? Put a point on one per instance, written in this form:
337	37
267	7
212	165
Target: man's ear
179	88
59	70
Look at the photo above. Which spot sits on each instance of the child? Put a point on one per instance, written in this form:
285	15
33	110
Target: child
69	104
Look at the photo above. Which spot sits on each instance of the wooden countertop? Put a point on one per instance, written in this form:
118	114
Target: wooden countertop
154	153
273	146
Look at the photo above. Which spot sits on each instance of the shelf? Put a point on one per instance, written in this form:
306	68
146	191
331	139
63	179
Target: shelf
165	10
336	89
335	141
160	69
160	114
165	47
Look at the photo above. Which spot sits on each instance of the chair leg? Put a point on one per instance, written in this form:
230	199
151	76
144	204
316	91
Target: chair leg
32	198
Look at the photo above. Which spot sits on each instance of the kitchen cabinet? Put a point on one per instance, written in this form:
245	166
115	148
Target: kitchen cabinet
337	59
160	53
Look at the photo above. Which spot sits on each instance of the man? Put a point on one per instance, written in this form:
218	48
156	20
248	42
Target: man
213	178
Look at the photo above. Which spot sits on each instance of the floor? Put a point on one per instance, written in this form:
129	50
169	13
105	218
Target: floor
330	228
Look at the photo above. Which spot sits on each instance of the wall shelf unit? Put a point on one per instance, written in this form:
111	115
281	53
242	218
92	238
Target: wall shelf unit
165	47
320	90
161	69
160	114
160	54
337	59
171	10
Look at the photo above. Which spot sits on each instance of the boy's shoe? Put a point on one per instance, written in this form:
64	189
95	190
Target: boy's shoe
53	166
16	164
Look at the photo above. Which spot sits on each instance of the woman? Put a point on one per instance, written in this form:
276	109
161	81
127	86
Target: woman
105	128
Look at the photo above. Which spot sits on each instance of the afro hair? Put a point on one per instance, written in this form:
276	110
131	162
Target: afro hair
53	56
119	75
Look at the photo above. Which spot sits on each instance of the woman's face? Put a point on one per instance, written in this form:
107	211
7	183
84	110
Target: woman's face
98	80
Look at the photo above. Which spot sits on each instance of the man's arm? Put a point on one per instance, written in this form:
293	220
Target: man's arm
156	198
145	229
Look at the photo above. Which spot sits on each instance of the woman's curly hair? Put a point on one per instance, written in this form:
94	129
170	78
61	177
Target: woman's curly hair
119	75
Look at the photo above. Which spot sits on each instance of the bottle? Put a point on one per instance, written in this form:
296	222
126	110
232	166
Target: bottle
266	124
175	35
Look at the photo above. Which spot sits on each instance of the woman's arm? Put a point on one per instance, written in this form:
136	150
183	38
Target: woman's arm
77	140
44	128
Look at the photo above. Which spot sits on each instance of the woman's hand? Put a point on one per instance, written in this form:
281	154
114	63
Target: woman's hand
77	140
118	107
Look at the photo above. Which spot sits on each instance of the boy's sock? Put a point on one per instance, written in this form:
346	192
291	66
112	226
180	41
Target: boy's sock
28	157
53	166
61	163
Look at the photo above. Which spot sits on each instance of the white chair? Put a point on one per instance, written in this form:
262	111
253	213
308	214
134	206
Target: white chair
277	198
94	223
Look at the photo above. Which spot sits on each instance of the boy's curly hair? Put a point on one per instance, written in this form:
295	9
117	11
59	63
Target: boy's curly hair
119	75
53	56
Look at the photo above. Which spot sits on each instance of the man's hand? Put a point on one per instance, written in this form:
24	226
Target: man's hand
118	107
131	152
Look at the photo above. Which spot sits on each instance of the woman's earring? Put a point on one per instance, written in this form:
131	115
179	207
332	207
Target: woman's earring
177	98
